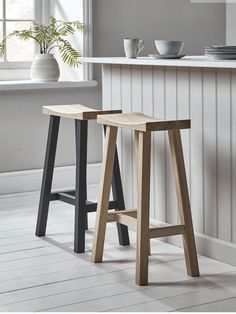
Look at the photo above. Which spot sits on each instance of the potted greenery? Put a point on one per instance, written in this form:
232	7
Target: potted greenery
45	67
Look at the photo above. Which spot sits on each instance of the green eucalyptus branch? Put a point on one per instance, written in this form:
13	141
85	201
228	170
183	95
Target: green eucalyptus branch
49	37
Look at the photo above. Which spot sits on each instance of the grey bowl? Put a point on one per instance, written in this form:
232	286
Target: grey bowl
169	47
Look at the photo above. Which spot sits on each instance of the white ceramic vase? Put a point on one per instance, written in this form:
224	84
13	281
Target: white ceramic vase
45	68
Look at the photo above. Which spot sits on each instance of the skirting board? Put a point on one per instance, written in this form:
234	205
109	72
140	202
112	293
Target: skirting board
211	247
30	180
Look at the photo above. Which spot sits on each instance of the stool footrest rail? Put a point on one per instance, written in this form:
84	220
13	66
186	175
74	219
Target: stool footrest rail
129	218
69	198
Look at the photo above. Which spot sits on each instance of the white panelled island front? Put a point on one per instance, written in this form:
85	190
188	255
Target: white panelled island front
204	91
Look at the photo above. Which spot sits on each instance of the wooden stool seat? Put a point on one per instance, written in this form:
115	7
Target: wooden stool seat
138	219
77	112
141	122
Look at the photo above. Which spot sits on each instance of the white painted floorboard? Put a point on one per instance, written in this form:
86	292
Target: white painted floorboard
46	275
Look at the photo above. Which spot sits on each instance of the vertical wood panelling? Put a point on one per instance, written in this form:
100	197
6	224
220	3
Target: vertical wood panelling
183	112
136	107
196	182
159	145
210	152
224	150
107	96
170	113
208	97
127	136
116	87
148	109
116	102
233	155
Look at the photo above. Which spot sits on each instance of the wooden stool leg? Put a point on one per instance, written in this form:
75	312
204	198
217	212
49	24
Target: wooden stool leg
81	131
118	195
103	203
136	140
142	250
47	176
184	202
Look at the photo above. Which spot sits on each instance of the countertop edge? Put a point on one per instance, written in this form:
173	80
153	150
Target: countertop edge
188	61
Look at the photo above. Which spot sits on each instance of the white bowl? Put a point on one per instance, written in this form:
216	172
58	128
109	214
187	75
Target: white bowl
169	47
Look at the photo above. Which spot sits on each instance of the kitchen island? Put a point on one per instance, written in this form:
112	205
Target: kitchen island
203	90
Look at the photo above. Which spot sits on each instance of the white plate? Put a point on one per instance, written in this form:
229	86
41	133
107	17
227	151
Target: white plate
221	56
157	56
221	52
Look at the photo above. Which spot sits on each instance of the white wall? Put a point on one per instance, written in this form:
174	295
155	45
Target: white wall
197	24
22	127
231	23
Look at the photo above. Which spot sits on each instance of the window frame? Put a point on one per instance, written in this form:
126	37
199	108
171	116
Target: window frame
9	70
41	16
88	38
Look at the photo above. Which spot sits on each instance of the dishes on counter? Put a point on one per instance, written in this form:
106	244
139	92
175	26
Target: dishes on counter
221	52
132	47
168	49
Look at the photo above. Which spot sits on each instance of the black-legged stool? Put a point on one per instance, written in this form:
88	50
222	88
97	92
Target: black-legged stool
138	219
78	197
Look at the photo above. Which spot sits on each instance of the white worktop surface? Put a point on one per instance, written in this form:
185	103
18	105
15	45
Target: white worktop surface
188	61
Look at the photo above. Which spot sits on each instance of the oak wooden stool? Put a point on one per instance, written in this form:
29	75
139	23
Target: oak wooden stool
139	219
78	197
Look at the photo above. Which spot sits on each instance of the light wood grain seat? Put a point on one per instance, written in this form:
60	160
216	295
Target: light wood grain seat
141	122
78	112
138	219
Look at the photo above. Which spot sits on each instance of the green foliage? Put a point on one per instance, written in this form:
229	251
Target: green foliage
50	37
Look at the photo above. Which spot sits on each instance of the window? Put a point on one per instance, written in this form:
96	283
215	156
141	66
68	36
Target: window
69	10
14	15
19	14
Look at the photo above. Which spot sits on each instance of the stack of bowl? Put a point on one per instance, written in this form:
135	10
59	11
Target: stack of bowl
221	52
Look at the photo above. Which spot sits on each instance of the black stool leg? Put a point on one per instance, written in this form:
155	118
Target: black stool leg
118	196
81	135
86	221
47	176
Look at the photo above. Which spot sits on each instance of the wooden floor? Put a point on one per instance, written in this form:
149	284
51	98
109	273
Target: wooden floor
45	275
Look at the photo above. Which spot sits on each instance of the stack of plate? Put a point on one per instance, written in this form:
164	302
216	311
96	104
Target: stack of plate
221	52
